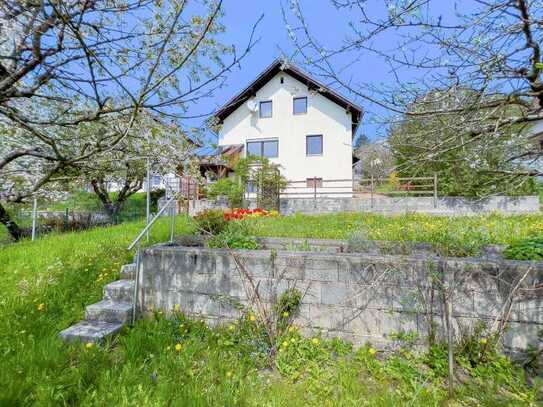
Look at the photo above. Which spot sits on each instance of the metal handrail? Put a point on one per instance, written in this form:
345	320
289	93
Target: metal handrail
137	242
151	222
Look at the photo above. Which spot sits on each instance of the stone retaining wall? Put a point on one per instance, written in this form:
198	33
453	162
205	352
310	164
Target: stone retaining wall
358	297
441	206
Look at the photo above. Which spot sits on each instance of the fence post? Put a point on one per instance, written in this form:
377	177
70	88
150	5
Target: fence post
148	196
66	218
173	210
435	189
314	192
371	191
34	215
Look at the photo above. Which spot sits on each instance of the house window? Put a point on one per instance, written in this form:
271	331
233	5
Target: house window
265	109
263	148
299	105
313	182
313	145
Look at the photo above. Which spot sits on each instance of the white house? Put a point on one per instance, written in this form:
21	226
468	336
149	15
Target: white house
298	123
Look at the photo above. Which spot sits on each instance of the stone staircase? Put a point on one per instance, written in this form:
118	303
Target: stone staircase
107	317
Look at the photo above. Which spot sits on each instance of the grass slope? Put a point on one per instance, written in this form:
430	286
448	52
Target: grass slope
46	284
452	235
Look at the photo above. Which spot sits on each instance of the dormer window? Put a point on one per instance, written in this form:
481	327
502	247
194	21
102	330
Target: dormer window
265	110
299	105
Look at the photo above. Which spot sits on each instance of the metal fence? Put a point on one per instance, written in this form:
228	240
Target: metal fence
398	187
35	222
372	187
315	187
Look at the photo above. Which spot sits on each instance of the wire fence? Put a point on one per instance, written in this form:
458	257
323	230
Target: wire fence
35	222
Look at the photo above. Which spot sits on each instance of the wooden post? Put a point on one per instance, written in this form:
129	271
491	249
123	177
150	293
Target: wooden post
371	191
435	189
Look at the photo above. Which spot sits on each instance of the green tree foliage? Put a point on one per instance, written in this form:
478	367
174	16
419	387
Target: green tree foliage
231	188
258	172
473	166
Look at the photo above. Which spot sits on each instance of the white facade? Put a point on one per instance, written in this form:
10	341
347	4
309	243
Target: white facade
324	117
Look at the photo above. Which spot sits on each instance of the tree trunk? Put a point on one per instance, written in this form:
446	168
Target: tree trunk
113	208
14	230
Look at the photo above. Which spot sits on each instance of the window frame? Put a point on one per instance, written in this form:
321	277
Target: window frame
260	109
261	142
293	104
307	137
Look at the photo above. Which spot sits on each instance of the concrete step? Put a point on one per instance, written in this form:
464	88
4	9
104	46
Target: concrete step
109	311
128	271
120	290
90	331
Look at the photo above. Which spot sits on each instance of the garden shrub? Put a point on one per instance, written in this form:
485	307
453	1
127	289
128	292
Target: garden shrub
529	249
236	235
211	221
287	305
231	188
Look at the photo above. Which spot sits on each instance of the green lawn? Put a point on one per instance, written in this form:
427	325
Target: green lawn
46	284
451	235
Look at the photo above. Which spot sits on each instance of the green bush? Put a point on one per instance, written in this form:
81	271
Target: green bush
237	235
529	249
211	221
232	189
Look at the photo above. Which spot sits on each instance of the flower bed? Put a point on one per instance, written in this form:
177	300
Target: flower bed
239	213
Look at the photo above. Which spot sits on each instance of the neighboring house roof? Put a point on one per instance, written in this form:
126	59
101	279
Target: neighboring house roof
272	70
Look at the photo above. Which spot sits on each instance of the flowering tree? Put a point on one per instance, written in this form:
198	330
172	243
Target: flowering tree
492	48
163	146
67	63
480	167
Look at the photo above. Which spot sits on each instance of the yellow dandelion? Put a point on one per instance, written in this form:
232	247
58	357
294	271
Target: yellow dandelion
372	351
178	347
89	345
285	314
41	306
232	327
252	317
483	341
229	374
285	344
291	328
315	341
177	307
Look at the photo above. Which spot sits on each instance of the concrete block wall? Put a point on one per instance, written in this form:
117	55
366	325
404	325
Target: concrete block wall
387	205
358	297
441	206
